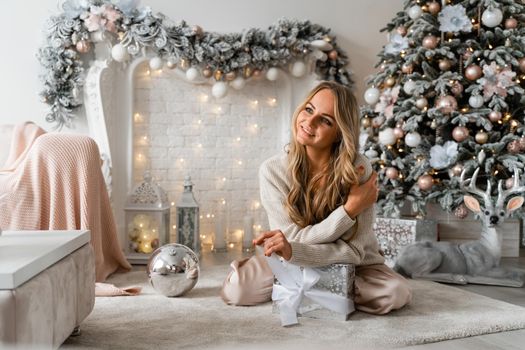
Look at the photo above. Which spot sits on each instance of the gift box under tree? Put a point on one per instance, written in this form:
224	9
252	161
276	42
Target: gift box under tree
332	284
393	234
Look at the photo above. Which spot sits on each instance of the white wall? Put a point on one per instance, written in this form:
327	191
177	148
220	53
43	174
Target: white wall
355	23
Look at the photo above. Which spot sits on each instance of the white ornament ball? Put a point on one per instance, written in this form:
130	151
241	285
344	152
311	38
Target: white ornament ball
321	45
219	89
421	102
492	17
371	153
372	95
238	83
192	74
475	101
409	87
272	74
119	53
412	139
387	137
392	173
415	12
298	69
155	63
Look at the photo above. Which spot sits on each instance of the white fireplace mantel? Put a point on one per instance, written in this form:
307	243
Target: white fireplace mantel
109	109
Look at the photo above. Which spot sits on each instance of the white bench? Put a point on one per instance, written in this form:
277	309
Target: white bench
47	286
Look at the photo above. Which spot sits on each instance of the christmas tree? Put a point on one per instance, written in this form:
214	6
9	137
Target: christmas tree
447	97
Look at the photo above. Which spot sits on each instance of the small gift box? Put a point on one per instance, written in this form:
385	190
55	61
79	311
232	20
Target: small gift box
394	234
324	292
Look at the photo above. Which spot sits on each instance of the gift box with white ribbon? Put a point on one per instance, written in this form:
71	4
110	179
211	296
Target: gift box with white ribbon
323	292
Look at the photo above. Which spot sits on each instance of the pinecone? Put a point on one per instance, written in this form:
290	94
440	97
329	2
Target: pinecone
461	211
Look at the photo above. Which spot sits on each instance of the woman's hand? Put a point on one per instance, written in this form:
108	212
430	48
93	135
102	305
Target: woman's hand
274	242
362	196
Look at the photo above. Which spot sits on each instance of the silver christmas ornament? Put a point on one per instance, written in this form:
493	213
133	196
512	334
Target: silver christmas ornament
173	269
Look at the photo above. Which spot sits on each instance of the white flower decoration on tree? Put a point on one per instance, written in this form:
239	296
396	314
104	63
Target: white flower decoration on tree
454	19
386	102
496	80
397	44
442	157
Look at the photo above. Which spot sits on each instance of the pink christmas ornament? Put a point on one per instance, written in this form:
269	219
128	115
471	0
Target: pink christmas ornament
473	72
511	23
434	7
425	182
399	133
447	104
494	116
430	42
83	46
392	173
460	133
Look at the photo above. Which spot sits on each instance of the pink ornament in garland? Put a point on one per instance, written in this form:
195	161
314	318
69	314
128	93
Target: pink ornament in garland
434	7
522	64
83	46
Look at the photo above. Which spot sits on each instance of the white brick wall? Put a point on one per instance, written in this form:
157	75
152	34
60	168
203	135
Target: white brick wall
181	132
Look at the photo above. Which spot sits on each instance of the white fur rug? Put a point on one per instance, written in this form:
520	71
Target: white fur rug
201	320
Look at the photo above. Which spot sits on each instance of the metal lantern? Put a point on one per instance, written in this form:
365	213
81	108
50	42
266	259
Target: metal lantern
188	218
147	220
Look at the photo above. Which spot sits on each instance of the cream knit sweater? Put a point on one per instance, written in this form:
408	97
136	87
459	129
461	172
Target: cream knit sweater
336	239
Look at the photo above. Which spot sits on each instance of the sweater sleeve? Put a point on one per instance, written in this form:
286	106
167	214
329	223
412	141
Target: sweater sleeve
273	196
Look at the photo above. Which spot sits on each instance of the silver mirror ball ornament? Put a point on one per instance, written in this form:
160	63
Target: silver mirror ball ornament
173	269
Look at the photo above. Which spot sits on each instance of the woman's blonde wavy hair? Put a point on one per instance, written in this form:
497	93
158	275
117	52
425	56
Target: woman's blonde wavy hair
307	203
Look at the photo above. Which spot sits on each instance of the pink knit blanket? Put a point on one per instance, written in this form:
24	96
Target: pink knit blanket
53	181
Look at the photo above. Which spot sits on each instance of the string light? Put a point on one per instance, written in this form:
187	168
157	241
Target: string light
181	160
272	101
239	162
172	204
199	121
204	98
238	139
223	179
174	227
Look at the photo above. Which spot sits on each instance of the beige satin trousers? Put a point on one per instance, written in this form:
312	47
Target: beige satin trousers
378	289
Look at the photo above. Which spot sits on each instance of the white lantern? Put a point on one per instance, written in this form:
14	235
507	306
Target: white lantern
188	219
147	220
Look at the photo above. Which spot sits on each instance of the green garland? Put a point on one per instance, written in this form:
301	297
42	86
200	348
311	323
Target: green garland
69	47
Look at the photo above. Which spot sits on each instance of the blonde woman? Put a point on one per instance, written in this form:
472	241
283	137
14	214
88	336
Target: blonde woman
319	199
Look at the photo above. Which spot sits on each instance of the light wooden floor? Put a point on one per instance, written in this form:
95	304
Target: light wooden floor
496	341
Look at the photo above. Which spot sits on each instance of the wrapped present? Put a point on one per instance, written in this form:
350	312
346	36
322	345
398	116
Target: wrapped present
394	234
324	292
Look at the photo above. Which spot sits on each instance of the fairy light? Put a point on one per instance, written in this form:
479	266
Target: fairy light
223	201
223	179
272	101
239	162
204	98
208	216
238	139
181	160
138	118
218	109
148	72
174	227
199	145
200	216
172	204
255	126
199	121
255	103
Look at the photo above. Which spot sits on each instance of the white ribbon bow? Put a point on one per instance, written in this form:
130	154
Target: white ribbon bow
296	284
